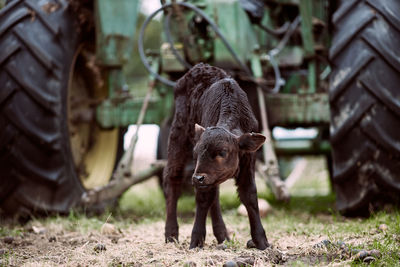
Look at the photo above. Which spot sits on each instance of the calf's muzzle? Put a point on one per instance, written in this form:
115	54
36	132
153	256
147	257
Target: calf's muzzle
198	179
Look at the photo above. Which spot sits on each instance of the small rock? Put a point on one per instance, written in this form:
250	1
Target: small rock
375	253
361	255
3	251
250	244
8	239
353	251
383	227
38	230
189	264
52	239
263	206
230	264
100	247
369	259
150	254
242	262
108	229
222	246
323	244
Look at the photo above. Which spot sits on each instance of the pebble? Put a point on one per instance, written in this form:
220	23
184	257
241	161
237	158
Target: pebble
8	239
38	230
263	206
375	253
230	264
222	246
100	247
361	255
323	243
242	262
383	227
366	255
108	229
52	239
369	259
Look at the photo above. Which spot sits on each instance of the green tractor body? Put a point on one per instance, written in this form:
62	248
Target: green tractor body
278	51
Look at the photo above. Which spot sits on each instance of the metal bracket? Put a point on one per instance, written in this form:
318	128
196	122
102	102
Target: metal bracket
269	171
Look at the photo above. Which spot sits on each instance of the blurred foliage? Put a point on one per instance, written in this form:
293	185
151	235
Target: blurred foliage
152	41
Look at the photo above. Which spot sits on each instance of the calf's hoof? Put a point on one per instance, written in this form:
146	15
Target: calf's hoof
171	239
222	236
261	245
171	234
197	241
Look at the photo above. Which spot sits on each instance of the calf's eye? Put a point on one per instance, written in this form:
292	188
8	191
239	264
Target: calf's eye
222	154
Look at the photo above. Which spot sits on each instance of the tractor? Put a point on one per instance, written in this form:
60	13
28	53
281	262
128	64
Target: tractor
332	66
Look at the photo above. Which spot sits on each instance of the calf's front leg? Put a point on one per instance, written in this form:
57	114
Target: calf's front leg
204	199
248	195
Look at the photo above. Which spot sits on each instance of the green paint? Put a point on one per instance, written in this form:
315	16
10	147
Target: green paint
115	28
237	29
120	114
306	8
312	79
291	110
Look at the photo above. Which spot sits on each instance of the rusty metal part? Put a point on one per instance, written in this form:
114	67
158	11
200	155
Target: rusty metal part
269	171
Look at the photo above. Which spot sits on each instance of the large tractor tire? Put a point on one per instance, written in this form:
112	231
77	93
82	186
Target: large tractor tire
365	104
51	150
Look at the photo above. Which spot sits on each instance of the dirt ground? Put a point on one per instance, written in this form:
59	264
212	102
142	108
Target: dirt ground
108	240
142	245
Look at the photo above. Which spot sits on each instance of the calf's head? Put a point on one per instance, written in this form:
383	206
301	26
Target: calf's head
217	154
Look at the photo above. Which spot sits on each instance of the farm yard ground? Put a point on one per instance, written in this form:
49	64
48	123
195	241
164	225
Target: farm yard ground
133	235
307	231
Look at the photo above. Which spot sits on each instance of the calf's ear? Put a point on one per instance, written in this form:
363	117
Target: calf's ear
198	131
251	142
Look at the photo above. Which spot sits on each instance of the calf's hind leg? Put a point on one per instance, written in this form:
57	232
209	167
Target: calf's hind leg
173	176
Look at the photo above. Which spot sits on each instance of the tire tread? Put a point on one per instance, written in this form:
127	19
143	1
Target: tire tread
365	143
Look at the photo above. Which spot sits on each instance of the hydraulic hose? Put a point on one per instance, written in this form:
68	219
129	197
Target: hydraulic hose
275	32
271	54
206	18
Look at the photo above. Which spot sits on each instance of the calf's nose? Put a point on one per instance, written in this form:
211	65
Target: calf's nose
198	178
